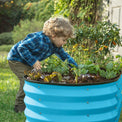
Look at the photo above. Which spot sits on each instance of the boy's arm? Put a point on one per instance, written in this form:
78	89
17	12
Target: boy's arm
63	56
26	55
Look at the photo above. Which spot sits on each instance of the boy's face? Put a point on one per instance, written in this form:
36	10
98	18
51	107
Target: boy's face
59	41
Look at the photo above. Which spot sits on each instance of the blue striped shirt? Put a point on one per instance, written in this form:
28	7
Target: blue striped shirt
37	46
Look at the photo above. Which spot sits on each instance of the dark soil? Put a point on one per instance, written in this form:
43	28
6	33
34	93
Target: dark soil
82	80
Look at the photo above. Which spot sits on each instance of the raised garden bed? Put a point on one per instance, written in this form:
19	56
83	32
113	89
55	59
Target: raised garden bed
53	102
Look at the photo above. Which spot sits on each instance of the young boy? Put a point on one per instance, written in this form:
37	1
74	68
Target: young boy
27	53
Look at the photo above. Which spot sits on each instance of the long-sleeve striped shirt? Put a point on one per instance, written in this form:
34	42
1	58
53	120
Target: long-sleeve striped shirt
37	46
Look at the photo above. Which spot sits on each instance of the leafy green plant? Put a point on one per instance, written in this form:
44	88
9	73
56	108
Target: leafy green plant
97	40
112	69
54	64
92	51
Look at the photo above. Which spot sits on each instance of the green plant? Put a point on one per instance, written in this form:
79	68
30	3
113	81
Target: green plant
98	40
111	70
92	51
49	66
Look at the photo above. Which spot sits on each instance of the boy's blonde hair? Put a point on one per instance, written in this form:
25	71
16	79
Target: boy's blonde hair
59	27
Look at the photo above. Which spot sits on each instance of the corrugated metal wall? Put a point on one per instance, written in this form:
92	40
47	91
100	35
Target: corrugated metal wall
92	103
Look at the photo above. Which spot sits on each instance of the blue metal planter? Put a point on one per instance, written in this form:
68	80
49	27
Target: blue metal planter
58	103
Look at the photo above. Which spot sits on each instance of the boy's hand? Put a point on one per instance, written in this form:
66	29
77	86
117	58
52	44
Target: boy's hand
37	65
